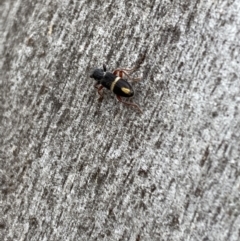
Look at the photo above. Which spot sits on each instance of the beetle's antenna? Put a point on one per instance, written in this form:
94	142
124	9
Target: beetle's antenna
104	68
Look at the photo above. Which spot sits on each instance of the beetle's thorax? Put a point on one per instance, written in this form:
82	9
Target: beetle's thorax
108	79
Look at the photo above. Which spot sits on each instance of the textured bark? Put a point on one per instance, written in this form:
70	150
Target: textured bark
74	168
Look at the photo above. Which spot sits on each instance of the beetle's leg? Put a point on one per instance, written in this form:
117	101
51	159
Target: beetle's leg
96	85
125	72
127	103
99	88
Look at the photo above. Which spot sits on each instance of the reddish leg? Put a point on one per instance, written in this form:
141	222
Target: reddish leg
127	103
121	72
126	71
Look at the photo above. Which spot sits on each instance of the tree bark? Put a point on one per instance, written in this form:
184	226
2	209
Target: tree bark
76	168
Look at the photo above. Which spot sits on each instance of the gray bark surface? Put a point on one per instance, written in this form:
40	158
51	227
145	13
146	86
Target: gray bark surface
75	168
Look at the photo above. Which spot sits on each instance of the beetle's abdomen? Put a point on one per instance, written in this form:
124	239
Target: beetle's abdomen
117	85
122	88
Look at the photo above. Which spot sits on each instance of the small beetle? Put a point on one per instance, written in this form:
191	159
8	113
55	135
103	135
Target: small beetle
115	82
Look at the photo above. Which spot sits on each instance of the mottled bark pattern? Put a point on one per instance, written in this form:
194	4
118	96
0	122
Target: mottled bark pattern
75	168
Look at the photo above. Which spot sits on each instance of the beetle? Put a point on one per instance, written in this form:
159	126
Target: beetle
115	82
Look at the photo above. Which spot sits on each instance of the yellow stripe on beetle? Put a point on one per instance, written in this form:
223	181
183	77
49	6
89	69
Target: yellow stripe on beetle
126	90
114	83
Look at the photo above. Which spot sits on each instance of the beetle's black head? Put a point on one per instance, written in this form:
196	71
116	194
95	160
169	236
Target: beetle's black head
97	74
